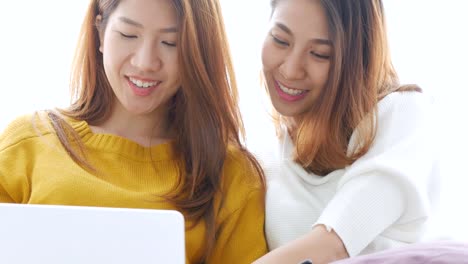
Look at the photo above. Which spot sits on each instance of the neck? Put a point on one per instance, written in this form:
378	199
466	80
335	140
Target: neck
147	129
292	125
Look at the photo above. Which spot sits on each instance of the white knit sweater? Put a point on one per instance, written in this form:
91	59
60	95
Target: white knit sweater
380	201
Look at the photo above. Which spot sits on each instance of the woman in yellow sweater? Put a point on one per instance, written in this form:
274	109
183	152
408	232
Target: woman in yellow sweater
153	123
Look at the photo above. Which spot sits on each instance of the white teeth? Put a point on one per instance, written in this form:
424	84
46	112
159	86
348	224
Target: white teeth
142	84
293	92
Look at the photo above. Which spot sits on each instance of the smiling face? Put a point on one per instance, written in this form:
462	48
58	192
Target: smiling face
140	56
296	56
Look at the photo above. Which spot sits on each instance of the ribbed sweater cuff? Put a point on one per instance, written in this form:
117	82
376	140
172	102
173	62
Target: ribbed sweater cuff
363	208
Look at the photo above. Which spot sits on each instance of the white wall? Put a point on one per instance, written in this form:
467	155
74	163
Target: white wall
36	49
429	40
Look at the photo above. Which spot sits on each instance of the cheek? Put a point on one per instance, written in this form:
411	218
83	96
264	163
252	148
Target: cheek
324	73
319	73
115	52
173	67
267	55
272	57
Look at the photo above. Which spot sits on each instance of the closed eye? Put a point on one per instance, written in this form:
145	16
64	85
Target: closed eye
168	43
279	41
320	56
128	36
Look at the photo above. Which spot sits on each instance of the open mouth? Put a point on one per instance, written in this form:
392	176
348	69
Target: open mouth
143	84
289	94
289	91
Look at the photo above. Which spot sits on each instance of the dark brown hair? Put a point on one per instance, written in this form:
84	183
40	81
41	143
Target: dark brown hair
361	74
204	114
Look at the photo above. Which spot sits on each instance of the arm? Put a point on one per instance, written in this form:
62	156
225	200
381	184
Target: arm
241	239
12	187
386	186
359	211
5	162
4	197
14	158
320	246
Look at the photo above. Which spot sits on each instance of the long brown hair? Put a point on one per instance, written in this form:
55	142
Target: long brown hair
204	113
361	74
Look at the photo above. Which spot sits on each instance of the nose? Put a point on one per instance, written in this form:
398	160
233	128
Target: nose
147	58
292	68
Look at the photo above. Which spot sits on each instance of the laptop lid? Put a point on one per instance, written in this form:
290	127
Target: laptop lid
74	234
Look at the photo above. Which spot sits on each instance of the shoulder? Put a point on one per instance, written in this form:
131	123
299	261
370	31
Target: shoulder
25	127
407	103
401	117
241	168
404	128
242	184
405	144
405	114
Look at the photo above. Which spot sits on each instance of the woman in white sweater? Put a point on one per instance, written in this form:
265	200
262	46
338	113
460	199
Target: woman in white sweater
356	158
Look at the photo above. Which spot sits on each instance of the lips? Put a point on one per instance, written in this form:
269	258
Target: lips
289	94
140	83
143	87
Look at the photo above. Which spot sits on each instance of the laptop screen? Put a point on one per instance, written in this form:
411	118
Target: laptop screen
74	234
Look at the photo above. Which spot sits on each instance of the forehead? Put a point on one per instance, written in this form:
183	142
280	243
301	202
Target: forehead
147	12
303	17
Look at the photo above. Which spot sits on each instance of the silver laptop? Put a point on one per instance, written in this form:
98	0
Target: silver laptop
74	234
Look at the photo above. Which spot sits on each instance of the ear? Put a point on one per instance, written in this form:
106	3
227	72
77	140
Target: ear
98	24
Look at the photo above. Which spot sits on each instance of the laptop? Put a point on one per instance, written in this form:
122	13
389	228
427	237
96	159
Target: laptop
75	234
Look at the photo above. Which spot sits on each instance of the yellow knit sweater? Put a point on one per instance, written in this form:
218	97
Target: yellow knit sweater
35	169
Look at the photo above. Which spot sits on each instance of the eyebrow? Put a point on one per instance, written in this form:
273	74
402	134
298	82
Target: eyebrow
129	21
289	32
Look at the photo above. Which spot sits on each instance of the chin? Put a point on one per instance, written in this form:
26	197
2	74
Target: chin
284	110
137	111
